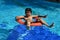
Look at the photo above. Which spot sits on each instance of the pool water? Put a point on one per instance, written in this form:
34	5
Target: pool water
9	9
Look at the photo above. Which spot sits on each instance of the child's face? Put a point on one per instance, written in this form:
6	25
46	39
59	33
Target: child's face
28	13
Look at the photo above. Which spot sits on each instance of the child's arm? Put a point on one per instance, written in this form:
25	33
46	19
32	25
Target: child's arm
19	17
34	16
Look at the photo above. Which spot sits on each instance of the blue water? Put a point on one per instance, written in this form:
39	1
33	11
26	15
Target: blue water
20	32
9	9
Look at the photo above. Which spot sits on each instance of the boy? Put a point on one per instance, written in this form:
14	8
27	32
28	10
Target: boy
28	18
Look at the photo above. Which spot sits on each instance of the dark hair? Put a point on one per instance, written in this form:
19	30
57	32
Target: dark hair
28	9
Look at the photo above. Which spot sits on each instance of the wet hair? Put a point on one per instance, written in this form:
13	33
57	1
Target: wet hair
28	9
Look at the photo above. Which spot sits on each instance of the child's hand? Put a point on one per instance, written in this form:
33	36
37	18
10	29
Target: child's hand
25	18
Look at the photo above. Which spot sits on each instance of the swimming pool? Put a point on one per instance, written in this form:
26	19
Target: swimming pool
10	9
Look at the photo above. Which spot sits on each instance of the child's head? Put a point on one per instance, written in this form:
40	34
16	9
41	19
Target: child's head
28	11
